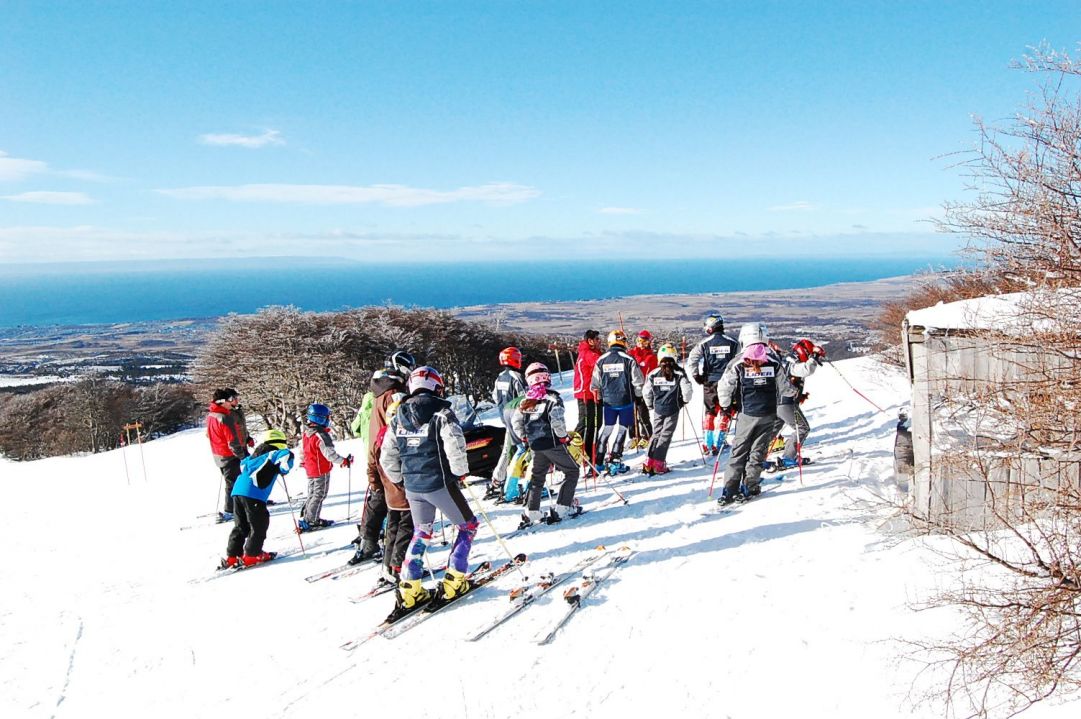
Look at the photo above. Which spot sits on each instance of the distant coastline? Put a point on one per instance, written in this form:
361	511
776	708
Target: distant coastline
840	314
112	294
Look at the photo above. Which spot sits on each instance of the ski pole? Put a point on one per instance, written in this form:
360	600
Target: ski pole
861	394
799	446
498	537
443	526
610	485
698	442
349	490
292	512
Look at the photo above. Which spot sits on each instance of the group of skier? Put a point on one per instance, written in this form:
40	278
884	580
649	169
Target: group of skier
416	448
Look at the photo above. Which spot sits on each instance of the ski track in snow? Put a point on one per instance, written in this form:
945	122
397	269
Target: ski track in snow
787	606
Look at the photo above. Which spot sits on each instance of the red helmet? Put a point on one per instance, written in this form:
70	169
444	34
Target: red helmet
511	357
537	373
645	335
804	349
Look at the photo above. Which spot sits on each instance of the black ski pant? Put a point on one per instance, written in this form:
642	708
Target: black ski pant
543	460
230	470
589	413
396	540
749	448
251	519
375	512
662	438
644	428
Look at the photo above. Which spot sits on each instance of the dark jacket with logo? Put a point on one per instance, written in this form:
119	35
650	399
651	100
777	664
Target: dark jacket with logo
423	447
616	378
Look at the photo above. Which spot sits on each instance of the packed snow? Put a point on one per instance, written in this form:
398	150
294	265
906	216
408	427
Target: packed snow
797	604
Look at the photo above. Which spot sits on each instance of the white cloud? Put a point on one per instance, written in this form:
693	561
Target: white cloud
798	206
497	193
50	198
14	168
619	211
252	142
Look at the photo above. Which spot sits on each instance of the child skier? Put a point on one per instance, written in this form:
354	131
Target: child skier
618	381
424	450
755	381
270	460
800	363
666	391
647	362
707	362
508	385
319	459
540	422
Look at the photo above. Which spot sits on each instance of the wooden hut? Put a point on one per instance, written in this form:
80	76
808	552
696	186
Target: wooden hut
971	467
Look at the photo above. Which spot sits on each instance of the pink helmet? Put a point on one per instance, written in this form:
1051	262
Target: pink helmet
537	373
425	378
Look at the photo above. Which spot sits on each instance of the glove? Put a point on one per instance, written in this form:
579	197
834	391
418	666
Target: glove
251	442
802	397
818	353
347	462
564	440
700	378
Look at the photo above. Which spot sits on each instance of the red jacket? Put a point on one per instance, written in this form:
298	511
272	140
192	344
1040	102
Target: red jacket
223	433
319	452
646	359
583	371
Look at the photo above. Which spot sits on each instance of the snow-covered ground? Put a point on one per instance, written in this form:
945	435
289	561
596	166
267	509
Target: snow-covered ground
790	606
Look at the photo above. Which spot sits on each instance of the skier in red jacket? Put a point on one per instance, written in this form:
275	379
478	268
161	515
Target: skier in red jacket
647	362
589	406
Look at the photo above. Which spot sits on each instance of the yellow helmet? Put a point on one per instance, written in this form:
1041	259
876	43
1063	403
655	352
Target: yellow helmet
667	351
275	437
617	337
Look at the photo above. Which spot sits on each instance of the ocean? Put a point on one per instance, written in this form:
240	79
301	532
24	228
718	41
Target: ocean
106	293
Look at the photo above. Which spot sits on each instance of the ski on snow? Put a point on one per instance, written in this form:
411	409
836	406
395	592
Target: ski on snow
345	570
383	586
524	597
482	575
574	596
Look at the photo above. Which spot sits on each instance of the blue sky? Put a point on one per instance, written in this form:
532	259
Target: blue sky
489	130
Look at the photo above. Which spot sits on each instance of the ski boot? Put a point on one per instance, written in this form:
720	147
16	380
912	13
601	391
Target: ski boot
303	526
224	517
229	562
648	467
320	523
660	467
530	517
454	585
511	490
410	596
251	561
753	491
367	550
495	491
728	498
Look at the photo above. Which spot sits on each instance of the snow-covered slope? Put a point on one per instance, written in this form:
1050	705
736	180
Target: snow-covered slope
790	606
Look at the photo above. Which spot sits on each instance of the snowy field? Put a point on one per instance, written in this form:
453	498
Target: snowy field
790	606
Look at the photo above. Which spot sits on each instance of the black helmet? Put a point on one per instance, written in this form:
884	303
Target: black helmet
713	322
401	362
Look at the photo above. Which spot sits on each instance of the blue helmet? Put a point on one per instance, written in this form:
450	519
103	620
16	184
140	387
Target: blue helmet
319	414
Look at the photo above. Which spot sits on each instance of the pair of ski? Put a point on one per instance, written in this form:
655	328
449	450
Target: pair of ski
478	578
524	597
771	466
383	585
345	570
773	483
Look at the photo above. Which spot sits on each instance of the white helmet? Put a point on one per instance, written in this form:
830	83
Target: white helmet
425	378
753	333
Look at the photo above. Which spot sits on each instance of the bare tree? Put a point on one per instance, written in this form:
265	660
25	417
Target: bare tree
1019	437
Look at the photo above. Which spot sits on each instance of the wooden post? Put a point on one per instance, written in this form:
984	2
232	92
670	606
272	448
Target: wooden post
559	366
137	426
